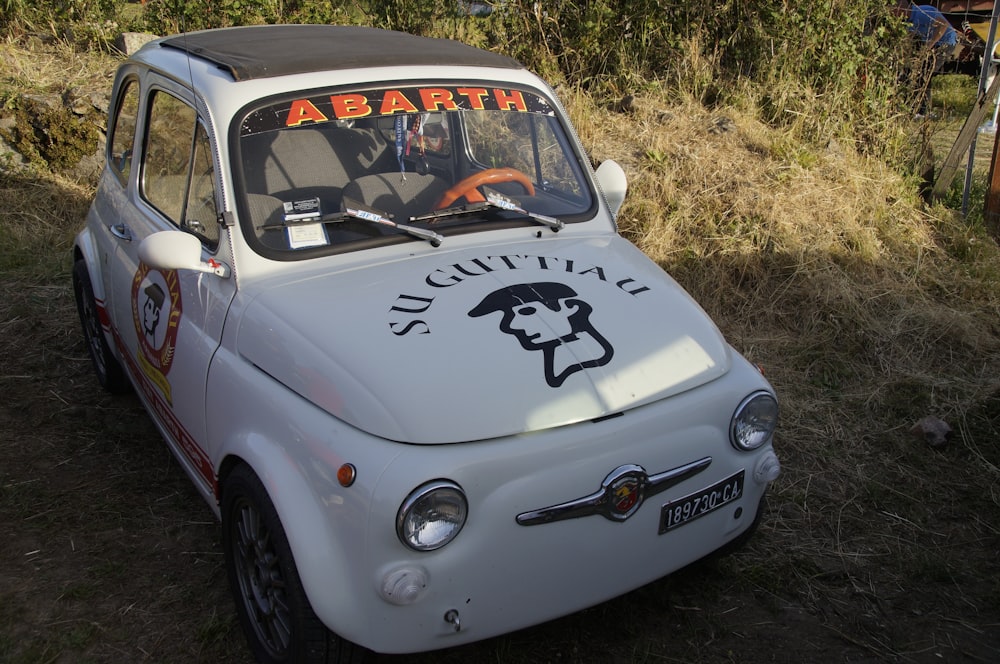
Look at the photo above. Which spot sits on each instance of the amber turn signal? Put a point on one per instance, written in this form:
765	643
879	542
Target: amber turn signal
346	474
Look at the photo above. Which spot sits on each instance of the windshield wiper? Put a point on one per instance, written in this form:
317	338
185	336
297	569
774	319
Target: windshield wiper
355	210
494	201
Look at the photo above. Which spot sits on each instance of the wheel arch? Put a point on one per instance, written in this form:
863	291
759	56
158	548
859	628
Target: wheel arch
85	248
320	556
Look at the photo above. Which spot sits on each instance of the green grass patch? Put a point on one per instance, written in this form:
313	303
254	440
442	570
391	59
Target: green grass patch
954	94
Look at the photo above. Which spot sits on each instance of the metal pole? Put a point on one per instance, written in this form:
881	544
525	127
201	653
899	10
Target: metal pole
984	76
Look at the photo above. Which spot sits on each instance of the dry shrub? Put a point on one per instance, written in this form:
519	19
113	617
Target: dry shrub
816	260
41	210
41	213
41	62
868	313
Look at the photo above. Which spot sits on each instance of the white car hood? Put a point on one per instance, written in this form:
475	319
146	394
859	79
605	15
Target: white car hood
465	345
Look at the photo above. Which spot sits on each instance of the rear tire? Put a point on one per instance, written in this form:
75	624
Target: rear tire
277	619
109	371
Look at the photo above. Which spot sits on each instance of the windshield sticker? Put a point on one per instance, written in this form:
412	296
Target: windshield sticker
550	317
545	315
156	314
301	236
391	102
305	209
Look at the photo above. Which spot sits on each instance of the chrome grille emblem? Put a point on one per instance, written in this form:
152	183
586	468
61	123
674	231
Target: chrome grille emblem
621	494
626	494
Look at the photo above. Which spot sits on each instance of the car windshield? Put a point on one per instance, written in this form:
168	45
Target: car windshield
341	171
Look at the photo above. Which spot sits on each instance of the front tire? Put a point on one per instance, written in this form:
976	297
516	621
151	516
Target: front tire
279	623
109	372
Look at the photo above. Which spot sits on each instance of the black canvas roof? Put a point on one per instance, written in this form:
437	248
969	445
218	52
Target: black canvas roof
261	51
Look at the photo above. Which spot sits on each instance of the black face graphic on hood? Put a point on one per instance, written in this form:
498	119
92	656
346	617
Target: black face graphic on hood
549	317
420	350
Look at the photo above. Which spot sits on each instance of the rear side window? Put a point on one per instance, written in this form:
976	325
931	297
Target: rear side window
123	132
178	176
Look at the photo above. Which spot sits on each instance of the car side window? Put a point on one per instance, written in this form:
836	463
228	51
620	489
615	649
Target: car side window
200	213
178	176
123	133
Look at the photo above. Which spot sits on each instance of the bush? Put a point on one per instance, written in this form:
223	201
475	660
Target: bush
830	68
63	15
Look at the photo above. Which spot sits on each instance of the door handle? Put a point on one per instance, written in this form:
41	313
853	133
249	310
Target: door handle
121	231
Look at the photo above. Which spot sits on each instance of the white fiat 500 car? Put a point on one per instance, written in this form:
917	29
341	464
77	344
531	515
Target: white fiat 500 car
372	294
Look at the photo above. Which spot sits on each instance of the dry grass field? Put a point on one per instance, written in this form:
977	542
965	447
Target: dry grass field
868	311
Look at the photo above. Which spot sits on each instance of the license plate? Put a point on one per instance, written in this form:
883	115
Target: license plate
685	510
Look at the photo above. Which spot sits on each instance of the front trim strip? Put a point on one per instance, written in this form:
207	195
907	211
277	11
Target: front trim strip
621	494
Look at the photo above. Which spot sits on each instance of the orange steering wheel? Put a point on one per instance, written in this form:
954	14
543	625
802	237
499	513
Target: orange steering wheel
467	187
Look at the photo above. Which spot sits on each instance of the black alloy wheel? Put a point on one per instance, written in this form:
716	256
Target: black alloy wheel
273	609
109	371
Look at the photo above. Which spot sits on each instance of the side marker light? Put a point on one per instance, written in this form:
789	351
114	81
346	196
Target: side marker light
346	474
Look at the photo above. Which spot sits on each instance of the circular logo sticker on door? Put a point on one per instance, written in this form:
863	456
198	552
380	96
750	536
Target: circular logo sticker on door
156	313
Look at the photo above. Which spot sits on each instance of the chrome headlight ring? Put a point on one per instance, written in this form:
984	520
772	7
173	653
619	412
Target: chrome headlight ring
754	421
432	515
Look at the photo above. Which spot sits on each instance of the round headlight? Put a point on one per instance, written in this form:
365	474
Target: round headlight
432	515
754	421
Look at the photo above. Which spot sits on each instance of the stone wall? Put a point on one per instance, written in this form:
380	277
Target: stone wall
62	131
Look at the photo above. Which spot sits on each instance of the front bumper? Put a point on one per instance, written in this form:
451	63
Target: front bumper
499	575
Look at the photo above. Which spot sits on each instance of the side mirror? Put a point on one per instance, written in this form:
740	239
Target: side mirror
611	178
176	250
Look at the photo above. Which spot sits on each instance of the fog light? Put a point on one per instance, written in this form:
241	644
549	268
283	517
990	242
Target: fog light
404	585
768	468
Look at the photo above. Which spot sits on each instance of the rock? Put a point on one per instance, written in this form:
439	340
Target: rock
8	155
48	132
935	432
722	125
88	169
626	104
130	42
82	101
